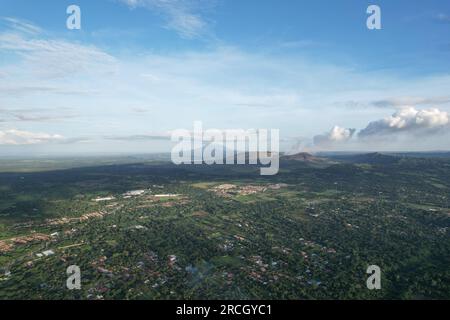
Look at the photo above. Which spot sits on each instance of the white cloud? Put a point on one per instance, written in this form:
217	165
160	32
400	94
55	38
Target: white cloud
408	120
408	129
180	15
164	136
401	102
19	137
19	89
335	136
21	25
55	58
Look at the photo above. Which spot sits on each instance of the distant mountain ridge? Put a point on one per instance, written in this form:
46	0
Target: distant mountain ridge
306	157
302	156
370	158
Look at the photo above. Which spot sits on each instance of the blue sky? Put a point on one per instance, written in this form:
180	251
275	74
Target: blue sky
139	69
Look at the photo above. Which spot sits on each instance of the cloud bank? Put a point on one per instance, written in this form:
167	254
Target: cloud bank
408	120
406	126
19	137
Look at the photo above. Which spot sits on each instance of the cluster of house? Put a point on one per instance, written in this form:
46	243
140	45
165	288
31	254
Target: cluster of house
227	190
133	193
102	199
84	217
7	245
